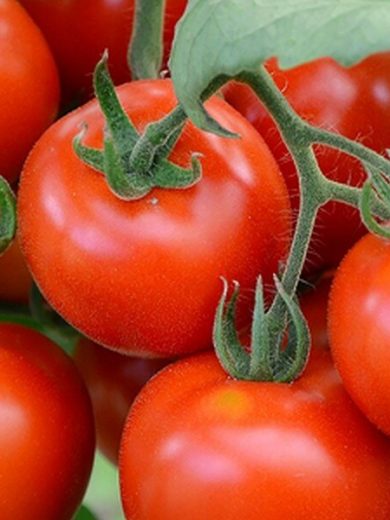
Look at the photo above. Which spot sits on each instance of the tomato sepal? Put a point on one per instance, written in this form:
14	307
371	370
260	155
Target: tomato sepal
267	360
132	164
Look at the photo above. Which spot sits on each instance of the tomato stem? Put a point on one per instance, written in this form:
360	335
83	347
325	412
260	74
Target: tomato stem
145	52
134	164
268	359
158	136
7	215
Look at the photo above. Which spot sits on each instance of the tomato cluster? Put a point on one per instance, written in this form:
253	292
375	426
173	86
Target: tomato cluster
140	281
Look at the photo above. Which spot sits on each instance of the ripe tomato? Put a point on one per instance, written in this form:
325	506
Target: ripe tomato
359	327
78	31
198	444
143	276
113	382
15	279
46	429
29	87
354	102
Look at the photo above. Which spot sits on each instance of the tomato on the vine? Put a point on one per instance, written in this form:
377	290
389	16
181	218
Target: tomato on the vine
78	32
113	381
144	276
46	429
199	444
29	87
359	327
354	102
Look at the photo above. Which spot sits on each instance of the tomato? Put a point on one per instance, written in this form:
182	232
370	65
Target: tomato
354	102
113	382
46	429
78	32
29	87
314	305
359	327
144	276
15	279
198	444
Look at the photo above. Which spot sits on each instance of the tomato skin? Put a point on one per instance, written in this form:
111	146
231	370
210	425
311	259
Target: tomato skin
113	381
29	87
143	277
78	32
359	327
198	444
15	279
354	102
46	429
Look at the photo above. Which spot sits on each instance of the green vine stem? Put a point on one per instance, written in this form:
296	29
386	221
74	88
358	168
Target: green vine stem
146	47
268	361
7	215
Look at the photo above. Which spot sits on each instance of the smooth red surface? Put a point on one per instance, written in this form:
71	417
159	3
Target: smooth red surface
143	277
198	444
46	429
113	381
78	32
15	279
29	87
359	327
354	102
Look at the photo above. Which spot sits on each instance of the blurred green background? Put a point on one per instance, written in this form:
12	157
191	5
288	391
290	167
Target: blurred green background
102	498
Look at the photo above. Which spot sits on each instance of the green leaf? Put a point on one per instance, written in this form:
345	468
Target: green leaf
7	215
85	514
226	37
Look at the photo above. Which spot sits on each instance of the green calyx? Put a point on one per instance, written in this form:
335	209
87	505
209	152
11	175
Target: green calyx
265	360
134	164
376	188
7	215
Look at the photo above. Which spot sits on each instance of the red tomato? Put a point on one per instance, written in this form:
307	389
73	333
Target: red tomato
46	429
15	279
113	382
29	88
78	31
198	444
314	305
359	327
354	102
143	276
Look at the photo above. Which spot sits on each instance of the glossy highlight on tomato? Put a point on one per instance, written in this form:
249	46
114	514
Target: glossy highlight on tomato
46	429
143	277
359	327
29	87
353	102
198	444
78	32
113	381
